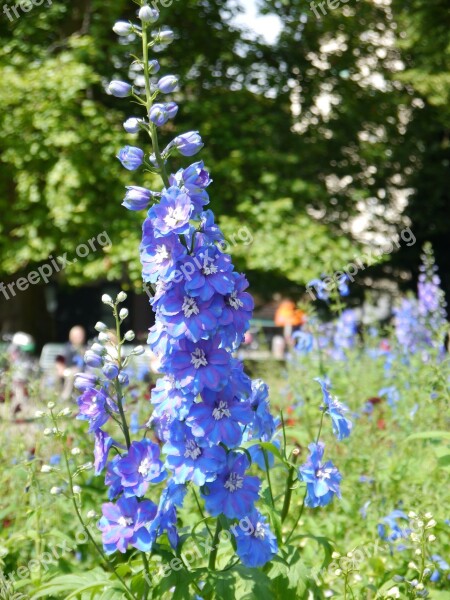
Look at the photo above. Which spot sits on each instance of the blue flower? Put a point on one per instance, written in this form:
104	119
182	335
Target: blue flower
218	418
167	84
172	214
320	288
140	467
131	157
263	424
127	523
209	272
166	517
137	198
93	405
237	312
120	89
341	425
233	493
169	398
159	256
304	343
322	480
158	115
257	545
194	180
189	143
190	458
103	443
196	365
390	528
392	395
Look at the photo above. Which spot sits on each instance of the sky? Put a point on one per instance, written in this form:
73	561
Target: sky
268	26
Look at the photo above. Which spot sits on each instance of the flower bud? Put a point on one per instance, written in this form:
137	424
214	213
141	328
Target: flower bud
167	84
131	157
171	109
75	451
121	297
65	412
46	469
91	514
431	524
103	337
129	336
431	538
76	489
153	66
133	125
51	405
137	198
165	37
428	515
123	379
47	431
138	350
92	359
119	89
110	371
39	414
106	299
98	349
99	326
123	28
188	143
148	15
158	115
55	491
123	314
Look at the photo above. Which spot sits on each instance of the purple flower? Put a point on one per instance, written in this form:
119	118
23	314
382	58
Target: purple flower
196	365
140	467
237	312
169	398
137	198
93	405
322	480
103	443
84	381
159	256
171	109
191	459
256	544
342	426
194	180
188	144
166	517
131	157
120	89
158	115
172	214
167	84
233	493
219	417
127	523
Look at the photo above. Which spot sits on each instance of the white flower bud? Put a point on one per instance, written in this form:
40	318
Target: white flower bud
65	412
39	414
420	523
123	314
106	299
431	524
76	451
100	326
431	538
412	565
76	489
91	514
121	297
420	586
129	336
46	469
138	350
418	552
412	514
428	515
335	555
103	337
414	537
51	405
350	554
338	572
123	28
148	15
55	491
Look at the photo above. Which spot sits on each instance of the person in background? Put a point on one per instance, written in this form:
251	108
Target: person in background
75	348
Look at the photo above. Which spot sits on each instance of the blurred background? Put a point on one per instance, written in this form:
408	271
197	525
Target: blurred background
326	129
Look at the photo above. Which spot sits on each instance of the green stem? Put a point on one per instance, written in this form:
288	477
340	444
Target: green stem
148	104
215	546
148	577
201	512
302	508
266	463
83	524
288	494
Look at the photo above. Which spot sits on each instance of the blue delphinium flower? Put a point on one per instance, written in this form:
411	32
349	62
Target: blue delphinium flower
320	288
258	545
390	528
342	426
172	213
232	493
166	516
140	467
131	157
137	198
441	566
304	341
103	444
127	523
93	405
322	479
190	458
189	143
160	256
220	417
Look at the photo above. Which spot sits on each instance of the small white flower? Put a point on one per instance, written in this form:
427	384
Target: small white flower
123	314
65	412
431	538
47	431
51	405
103	337
428	515
46	469
76	489
121	297
91	514
431	524
338	572
106	299
138	350
39	414
100	326
412	514
76	451
55	491
393	592
129	336
418	552
349	554
335	555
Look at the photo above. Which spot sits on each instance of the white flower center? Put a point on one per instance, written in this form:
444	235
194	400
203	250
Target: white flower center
125	521
210	269
174	216
259	532
198	358
234	482
161	253
189	307
221	411
145	467
234	301
192	450
323	473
